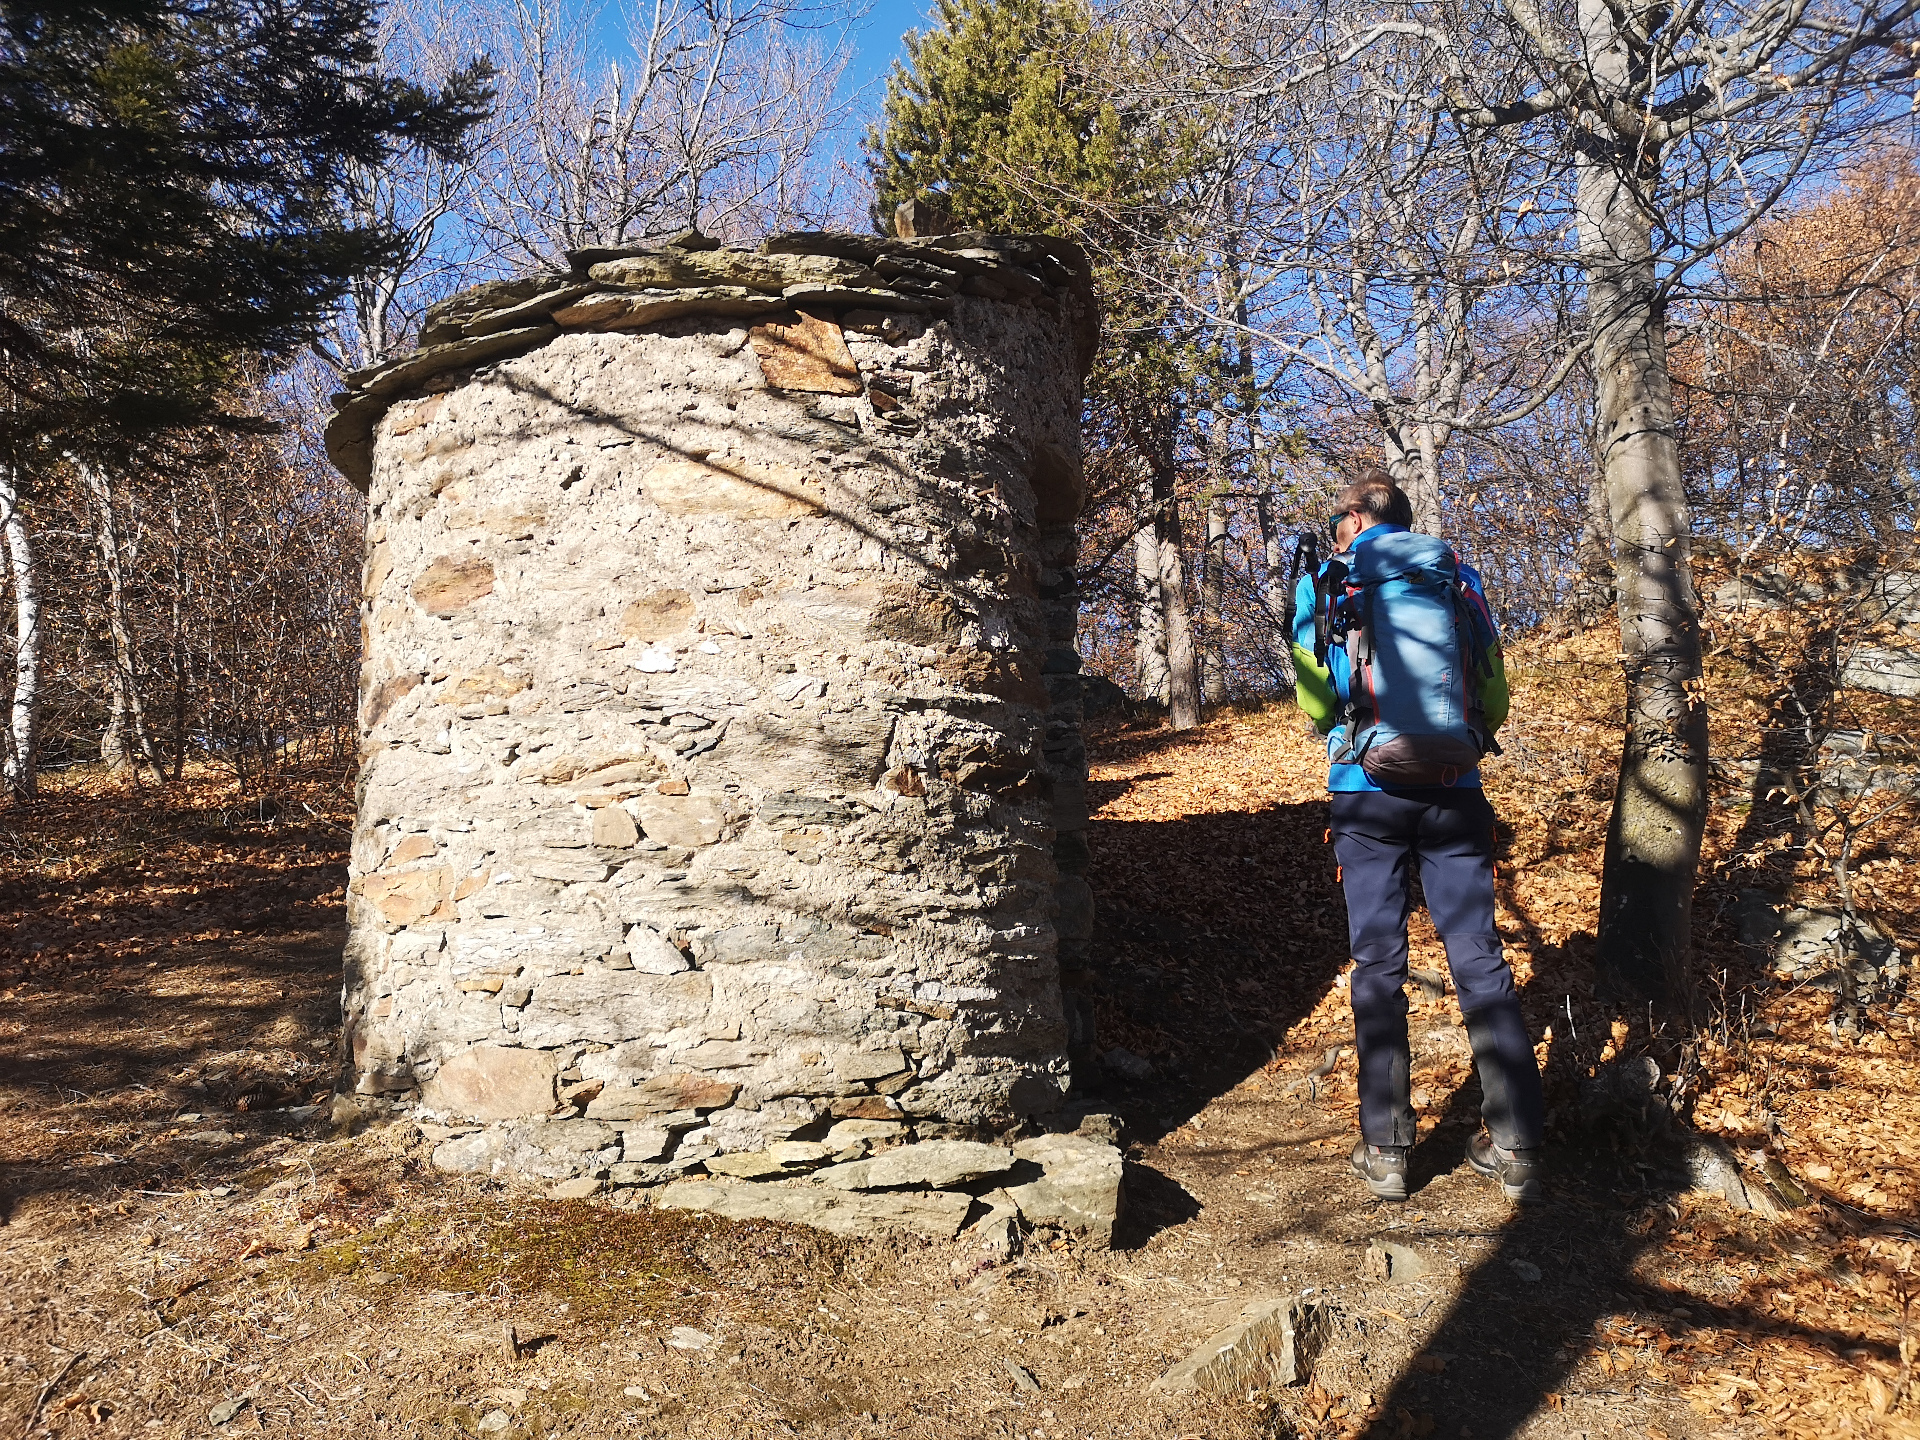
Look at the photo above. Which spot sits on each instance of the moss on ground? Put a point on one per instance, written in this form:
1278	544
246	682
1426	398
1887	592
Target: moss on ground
606	1265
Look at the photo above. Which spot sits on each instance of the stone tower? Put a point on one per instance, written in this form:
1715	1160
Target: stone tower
720	774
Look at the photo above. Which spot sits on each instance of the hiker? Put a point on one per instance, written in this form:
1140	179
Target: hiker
1404	745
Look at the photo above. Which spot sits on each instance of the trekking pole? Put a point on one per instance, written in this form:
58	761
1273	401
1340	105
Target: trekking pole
1306	560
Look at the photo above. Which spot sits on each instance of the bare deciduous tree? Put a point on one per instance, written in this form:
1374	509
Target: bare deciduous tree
23	573
1684	126
422	197
1464	136
710	119
1382	255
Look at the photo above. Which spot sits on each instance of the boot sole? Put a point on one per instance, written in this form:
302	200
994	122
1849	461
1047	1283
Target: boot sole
1527	1192
1395	1191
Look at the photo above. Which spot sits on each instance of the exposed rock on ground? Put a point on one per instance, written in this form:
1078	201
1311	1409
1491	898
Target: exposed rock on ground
1266	1346
1079	1188
1395	1263
936	1214
936	1164
1076	1189
1819	945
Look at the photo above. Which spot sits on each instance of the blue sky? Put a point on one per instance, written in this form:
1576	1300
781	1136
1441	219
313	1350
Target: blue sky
876	43
878	38
876	35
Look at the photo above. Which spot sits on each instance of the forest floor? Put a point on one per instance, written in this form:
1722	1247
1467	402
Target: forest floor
185	1250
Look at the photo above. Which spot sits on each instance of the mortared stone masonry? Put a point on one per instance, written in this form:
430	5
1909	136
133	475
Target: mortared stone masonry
721	778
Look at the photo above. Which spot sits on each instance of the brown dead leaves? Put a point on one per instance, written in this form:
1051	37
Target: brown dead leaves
101	872
1807	1328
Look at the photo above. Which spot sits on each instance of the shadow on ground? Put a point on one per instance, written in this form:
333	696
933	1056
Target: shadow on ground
173	1083
1217	932
1560	1276
171	987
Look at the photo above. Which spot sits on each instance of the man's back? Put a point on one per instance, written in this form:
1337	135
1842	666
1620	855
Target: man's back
1396	656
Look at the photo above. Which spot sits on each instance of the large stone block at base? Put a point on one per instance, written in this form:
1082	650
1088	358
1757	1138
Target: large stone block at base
1081	1187
936	1214
493	1082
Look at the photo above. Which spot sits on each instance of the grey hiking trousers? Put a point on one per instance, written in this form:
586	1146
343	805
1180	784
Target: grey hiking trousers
1378	837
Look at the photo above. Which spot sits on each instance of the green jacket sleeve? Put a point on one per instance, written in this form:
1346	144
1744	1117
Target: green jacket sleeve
1495	700
1313	689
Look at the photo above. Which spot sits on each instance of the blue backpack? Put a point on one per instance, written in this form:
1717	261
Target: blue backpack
1418	640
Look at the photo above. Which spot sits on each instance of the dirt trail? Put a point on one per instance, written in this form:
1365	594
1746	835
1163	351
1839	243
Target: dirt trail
180	1235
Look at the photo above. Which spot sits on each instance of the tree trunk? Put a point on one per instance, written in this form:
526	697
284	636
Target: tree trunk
1273	547
1169	567
113	736
1660	805
127	705
1422	484
1213	575
1183	671
23	720
1406	464
1278	599
1150	616
177	635
1591	595
1212	593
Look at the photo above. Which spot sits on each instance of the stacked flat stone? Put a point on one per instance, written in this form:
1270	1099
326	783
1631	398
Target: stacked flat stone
714	788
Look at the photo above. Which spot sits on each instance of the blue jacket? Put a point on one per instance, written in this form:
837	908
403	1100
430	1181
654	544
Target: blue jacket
1323	691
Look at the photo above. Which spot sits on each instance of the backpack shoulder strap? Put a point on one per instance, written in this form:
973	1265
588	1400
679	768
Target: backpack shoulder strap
1473	623
1329	588
1476	625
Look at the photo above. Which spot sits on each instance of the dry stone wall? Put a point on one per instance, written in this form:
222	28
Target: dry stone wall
721	777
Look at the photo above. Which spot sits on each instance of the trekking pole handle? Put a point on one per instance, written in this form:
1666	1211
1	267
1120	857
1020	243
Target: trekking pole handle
1306	560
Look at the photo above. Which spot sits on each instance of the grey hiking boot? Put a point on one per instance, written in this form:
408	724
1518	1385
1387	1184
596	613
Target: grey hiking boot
1518	1171
1384	1168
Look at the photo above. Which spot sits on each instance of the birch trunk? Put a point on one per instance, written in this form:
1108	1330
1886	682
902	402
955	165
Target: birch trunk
1660	804
1213	676
177	635
127	705
23	719
113	735
1150	616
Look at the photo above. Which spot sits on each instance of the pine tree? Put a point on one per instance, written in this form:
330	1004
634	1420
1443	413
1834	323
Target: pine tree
985	113
996	112
171	176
